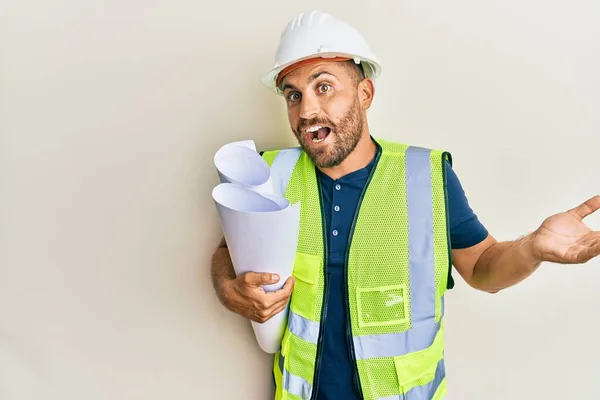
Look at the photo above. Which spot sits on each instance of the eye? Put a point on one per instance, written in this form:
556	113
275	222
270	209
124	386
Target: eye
324	88
294	96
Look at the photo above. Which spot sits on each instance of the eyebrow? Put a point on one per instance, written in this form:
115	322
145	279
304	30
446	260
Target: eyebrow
312	78
318	74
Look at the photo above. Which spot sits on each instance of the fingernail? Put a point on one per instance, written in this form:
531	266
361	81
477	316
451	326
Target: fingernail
274	277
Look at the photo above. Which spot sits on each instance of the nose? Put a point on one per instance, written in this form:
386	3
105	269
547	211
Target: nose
309	107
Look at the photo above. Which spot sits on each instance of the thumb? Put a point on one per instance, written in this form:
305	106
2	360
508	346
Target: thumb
586	208
259	278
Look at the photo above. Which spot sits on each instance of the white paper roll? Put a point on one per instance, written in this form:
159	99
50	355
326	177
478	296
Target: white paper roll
238	163
261	236
261	228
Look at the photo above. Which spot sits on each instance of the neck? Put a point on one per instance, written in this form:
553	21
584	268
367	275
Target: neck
360	157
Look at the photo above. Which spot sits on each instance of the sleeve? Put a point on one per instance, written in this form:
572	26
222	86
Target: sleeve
465	228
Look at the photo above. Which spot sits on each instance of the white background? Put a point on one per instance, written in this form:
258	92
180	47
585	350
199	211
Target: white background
111	112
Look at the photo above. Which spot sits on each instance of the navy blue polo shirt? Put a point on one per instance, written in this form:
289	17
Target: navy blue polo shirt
340	199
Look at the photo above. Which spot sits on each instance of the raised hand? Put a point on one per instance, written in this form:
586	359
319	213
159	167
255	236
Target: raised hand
564	238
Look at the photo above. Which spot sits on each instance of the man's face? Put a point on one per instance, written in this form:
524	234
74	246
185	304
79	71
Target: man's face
324	110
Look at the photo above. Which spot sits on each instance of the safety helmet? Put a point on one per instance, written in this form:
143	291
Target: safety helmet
319	35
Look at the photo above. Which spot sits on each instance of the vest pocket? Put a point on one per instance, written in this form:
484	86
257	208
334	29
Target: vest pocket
306	271
381	306
419	368
306	267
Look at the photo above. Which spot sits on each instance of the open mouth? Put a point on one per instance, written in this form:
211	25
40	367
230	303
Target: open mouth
318	133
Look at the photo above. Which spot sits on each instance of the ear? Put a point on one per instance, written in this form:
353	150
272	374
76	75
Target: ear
366	92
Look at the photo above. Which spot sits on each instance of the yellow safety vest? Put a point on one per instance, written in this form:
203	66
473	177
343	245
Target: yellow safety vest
397	270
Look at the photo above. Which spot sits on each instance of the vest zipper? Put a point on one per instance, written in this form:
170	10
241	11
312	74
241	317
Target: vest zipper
349	337
315	388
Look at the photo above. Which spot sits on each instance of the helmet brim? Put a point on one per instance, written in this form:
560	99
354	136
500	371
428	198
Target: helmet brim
269	78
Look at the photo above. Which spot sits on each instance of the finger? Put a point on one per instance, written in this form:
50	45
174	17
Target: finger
262	301
278	309
588	253
593	249
269	300
280	305
284	292
259	278
260	317
586	208
585	250
266	314
273	302
591	239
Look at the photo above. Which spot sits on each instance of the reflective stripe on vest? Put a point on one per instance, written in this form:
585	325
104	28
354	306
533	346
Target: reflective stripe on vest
303	328
424	392
386	345
282	168
420	235
419	337
296	385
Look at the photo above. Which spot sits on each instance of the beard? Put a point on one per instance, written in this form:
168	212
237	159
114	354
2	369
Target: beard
342	139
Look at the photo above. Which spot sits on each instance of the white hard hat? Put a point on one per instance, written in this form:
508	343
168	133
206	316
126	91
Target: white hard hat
317	34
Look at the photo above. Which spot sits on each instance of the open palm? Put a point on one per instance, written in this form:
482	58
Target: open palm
564	238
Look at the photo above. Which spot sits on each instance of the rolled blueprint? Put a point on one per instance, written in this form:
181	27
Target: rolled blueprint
239	163
260	227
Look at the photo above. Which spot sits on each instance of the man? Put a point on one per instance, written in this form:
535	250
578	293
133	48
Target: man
381	223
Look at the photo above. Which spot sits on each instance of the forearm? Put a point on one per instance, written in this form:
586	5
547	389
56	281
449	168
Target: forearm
221	270
505	264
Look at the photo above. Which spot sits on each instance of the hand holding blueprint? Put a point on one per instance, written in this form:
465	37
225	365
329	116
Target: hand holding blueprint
261	227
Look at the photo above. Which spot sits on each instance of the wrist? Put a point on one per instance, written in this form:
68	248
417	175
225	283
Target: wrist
531	255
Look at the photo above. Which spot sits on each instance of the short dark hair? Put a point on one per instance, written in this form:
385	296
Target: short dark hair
357	72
